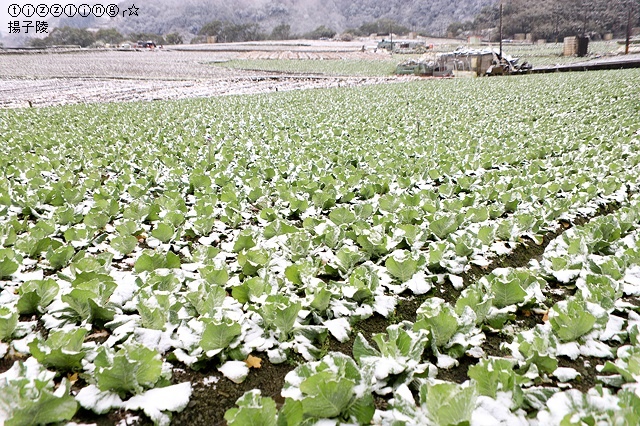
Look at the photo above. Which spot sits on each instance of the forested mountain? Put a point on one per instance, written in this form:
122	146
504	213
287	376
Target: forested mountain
165	16
240	20
550	19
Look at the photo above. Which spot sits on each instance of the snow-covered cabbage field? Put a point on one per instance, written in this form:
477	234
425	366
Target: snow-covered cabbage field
95	76
142	241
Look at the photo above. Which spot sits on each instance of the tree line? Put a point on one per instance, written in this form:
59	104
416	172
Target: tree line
226	31
553	19
229	32
223	31
84	38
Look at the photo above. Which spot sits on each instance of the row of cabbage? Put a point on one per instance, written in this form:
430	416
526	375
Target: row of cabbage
599	275
268	231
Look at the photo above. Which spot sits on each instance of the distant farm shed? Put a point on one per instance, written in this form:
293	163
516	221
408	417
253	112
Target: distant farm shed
462	62
403	46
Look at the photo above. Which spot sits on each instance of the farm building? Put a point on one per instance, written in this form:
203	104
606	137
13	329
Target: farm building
403	46
462	62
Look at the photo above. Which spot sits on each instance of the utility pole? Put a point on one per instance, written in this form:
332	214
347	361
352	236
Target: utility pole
628	41
501	31
584	22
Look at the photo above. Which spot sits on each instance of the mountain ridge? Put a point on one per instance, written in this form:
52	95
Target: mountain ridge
188	16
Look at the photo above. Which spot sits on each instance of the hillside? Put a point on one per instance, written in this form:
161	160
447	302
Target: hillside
188	16
550	19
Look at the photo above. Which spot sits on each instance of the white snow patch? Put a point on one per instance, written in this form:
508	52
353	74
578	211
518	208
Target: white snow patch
383	275
573	401
9	296
128	420
4	348
446	362
480	261
236	371
490	412
98	401
571	349
191	267
28	276
292	392
597	310
154	401
326	422
403	392
384	305
158	340
613	328
418	283
500	248
276	356
596	349
189	334
566	374
22	345
631	281
454	266
127	287
184	357
476	352
386	366
303	313
634	318
254	339
127	325
210	380
456	281
363	311
339	309
566	275
23	328
339	328
348	291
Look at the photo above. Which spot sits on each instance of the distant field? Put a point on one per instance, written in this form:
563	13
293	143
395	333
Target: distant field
45	79
89	76
341	67
551	53
379	65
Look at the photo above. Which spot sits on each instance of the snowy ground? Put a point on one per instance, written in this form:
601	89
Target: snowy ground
47	79
49	92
